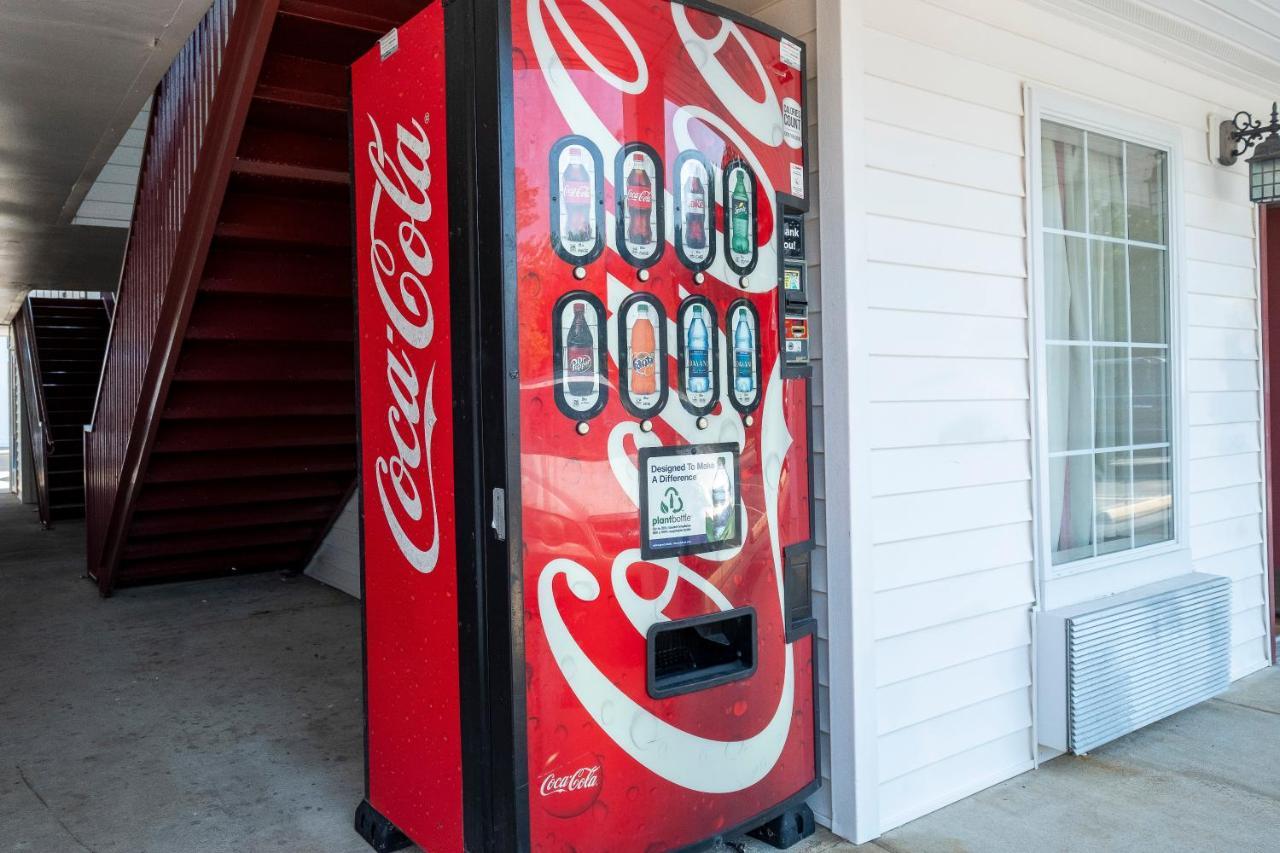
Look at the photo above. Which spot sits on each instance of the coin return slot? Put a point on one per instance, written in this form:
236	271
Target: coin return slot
702	652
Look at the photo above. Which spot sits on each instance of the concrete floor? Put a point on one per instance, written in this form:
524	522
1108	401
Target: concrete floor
225	716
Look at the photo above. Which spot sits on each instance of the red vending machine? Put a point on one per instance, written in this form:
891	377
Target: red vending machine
585	428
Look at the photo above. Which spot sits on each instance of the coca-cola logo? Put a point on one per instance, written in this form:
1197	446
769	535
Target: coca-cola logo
568	788
405	180
696	205
639	196
578	191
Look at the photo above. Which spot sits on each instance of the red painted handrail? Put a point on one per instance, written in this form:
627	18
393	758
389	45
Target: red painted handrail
197	116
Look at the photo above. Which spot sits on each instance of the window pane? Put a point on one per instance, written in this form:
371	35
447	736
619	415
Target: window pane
1145	179
1066	287
1062	176
1112	482
1147	286
1070	398
1111	396
1106	186
1071	500
1108	351
1150	371
1152	497
1110	294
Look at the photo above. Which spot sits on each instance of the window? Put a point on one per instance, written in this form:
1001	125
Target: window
1104	221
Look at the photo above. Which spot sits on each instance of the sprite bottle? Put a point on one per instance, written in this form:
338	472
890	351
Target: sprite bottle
740	217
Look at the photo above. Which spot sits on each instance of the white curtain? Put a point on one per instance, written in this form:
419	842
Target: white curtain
1069	367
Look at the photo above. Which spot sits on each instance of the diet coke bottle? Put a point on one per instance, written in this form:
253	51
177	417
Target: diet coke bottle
576	192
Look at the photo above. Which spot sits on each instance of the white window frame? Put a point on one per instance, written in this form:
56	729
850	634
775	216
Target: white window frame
1163	558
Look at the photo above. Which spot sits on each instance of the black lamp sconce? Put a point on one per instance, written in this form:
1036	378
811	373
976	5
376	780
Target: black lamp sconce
1243	132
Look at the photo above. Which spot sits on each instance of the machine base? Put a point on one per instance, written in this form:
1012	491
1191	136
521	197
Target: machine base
788	828
380	833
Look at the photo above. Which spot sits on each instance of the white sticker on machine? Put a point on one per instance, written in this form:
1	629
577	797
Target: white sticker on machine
789	52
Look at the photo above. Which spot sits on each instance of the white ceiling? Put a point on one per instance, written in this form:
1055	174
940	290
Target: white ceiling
73	76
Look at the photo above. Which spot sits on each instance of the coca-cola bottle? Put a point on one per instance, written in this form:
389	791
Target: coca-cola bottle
580	352
695	213
639	203
575	190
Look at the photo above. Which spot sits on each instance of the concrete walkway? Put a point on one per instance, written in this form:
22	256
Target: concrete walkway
222	716
1205	780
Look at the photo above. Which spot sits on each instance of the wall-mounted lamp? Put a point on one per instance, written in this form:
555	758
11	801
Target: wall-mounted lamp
1243	132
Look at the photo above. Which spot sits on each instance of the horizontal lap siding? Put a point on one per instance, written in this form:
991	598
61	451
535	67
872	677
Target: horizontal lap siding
951	409
109	201
951	458
1223	347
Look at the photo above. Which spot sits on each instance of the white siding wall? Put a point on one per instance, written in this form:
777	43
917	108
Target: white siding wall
109	202
337	560
951	524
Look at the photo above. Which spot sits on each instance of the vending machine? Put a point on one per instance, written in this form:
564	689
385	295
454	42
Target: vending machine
586	475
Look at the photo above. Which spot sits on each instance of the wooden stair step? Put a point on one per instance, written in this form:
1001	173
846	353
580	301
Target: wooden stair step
282	220
245	317
243	464
258	399
217	541
293	147
42	305
221	518
374	17
243	269
254	361
303	82
288	172
224	434
172	496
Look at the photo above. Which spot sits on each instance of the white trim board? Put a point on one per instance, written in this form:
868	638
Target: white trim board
1126	569
847	412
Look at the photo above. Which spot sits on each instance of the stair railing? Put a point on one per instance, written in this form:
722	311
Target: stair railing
33	405
197	117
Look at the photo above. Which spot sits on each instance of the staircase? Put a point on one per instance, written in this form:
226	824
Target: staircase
64	341
232	448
